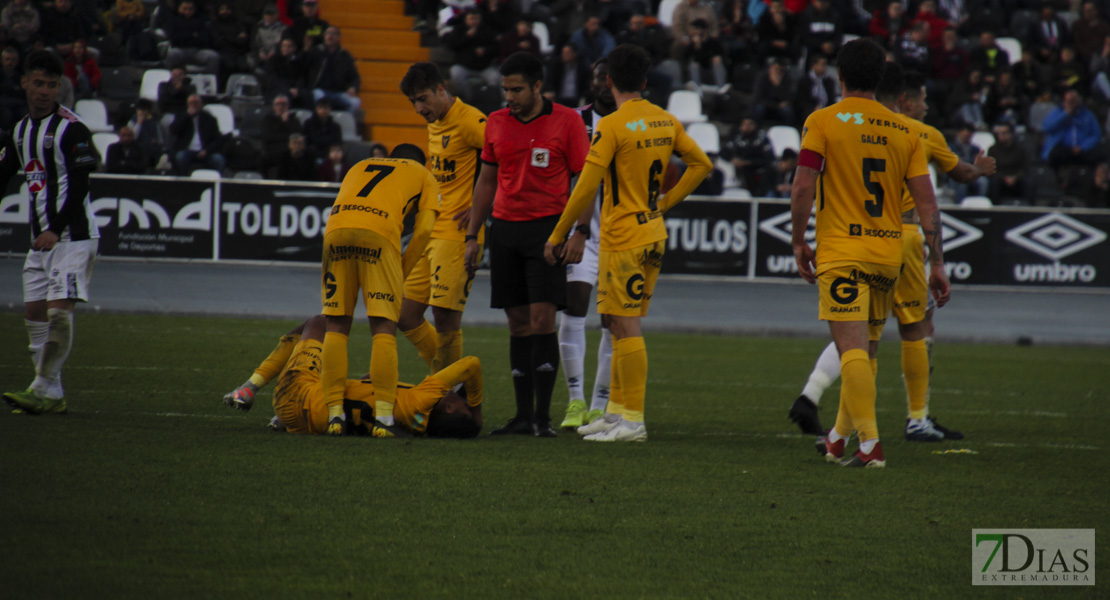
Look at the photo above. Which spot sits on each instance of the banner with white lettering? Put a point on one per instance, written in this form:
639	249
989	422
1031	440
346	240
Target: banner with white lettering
1046	248
263	221
707	238
137	219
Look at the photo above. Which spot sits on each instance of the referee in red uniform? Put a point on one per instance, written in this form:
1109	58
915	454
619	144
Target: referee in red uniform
532	150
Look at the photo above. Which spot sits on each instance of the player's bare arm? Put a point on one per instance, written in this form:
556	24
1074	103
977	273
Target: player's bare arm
801	205
984	166
484	191
575	246
580	199
922	190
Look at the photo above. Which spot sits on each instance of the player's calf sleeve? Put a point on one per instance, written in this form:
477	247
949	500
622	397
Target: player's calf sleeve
825	372
333	371
857	392
915	373
59	341
275	362
632	361
545	366
602	381
520	361
572	352
37	332
383	372
426	340
449	351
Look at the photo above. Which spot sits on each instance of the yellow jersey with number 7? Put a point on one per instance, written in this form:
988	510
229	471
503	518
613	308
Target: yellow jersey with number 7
377	193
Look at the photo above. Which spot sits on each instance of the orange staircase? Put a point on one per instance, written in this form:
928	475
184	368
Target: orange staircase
380	37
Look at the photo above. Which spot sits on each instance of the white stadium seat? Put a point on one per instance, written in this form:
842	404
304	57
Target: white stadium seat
539	28
983	139
151	78
666	12
976	202
686	106
707	136
224	117
101	141
206	174
783	137
95	115
1012	48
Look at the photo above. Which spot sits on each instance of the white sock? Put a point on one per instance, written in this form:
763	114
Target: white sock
572	352
630	424
915	424
825	372
833	436
37	332
385	420
611	418
604	365
54	352
868	446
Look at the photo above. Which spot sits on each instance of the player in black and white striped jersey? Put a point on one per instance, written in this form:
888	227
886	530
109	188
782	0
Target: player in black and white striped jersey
55	151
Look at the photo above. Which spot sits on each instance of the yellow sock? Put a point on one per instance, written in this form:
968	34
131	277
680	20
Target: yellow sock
449	351
275	362
333	373
915	372
383	372
615	406
632	362
426	341
857	392
875	367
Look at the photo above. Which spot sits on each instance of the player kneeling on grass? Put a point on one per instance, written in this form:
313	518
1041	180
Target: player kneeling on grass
429	408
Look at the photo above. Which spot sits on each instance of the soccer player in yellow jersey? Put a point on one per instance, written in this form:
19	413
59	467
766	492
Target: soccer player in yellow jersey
912	305
629	151
456	132
856	156
362	251
429	408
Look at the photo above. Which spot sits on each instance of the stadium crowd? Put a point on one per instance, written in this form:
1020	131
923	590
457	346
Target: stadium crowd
1026	80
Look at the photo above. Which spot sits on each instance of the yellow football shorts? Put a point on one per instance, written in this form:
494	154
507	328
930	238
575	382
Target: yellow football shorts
857	291
357	259
439	277
626	279
299	395
911	293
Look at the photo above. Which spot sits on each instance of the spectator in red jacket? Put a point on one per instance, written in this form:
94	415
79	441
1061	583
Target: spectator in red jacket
887	26
927	12
82	70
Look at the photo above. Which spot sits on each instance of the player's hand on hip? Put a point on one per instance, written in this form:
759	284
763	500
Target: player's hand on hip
986	163
472	257
463	219
574	249
804	256
45	241
938	283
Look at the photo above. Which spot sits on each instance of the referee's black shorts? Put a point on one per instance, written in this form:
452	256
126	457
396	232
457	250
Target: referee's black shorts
519	275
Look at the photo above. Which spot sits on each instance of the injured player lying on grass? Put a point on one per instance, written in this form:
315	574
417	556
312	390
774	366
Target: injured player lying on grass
445	404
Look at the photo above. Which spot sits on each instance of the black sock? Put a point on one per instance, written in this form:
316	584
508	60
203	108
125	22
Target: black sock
545	365
520	361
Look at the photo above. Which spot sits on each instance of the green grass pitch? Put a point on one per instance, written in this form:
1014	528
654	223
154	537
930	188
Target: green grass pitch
151	488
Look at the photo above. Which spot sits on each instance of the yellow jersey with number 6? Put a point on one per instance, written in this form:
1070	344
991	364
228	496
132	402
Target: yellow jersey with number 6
634	145
377	193
864	153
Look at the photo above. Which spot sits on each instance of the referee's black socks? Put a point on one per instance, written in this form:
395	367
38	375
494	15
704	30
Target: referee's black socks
545	366
520	361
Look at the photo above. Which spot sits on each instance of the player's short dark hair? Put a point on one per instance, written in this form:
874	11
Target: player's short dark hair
524	64
408	151
861	65
891	84
45	61
628	67
914	82
458	425
421	76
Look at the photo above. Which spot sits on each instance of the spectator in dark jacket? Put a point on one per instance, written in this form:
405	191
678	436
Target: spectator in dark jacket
989	57
190	39
1010	181
475	46
61	26
332	73
1048	35
266	36
174	94
321	131
334	166
285	73
231	38
308	29
568	78
750	151
149	133
126	156
818	88
276	127
778	33
820	29
295	163
520	39
13	98
197	140
773	98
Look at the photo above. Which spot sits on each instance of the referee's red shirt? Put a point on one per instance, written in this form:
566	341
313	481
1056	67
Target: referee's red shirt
535	161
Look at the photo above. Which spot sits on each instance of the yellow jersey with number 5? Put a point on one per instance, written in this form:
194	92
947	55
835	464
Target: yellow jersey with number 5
634	145
377	193
864	152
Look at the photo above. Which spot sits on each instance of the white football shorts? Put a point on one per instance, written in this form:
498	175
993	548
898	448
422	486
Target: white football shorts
63	273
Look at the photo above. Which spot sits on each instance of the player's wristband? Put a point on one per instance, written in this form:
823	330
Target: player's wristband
583	229
472	238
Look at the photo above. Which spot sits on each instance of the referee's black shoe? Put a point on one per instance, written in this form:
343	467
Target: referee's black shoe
804	413
515	426
544	429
